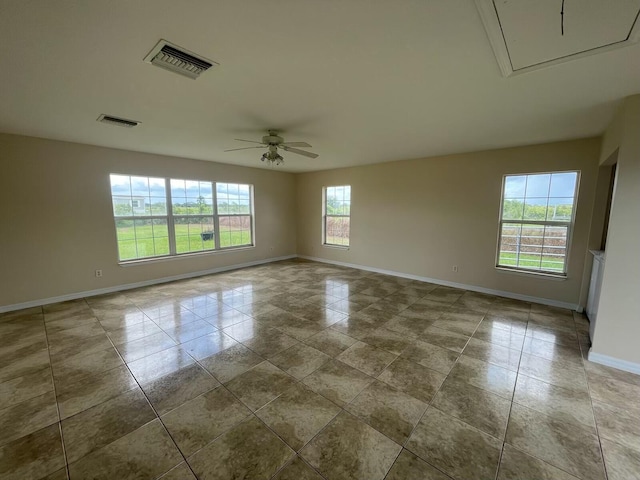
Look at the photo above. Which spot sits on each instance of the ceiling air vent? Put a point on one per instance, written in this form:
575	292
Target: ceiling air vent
177	59
121	122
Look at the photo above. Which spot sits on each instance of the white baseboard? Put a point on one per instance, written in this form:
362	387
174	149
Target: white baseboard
473	288
613	362
129	286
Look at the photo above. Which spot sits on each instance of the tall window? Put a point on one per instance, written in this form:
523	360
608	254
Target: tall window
536	219
160	217
336	215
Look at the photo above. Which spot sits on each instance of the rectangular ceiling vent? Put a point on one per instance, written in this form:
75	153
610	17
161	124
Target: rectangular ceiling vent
178	60
120	122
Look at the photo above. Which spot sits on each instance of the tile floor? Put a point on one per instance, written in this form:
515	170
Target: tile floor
299	370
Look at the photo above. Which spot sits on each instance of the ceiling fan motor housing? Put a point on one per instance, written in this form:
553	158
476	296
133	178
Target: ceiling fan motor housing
272	139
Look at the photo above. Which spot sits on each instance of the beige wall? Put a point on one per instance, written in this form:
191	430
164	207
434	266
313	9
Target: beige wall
421	217
618	321
57	226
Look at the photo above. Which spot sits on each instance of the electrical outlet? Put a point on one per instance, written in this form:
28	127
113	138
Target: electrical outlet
455	268
98	273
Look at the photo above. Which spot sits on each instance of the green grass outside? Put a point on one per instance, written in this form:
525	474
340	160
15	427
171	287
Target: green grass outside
508	259
140	243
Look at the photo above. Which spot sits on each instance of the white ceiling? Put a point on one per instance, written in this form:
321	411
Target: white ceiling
363	81
533	34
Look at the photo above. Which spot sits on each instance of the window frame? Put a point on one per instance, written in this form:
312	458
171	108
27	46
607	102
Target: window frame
569	224
326	216
170	217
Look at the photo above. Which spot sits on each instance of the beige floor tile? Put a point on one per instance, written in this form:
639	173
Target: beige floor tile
566	376
455	447
430	356
516	465
199	421
492	353
485	375
159	364
298	415
172	390
297	470
180	472
444	338
330	342
562	445
390	411
77	368
69	351
23	361
349	448
230	363
259	385
389	340
408	466
499	336
553	352
614	392
147	452
479	408
265	341
618	425
104	423
300	360
19	389
248	450
338	382
412	378
93	390
33	456
129	333
144	347
411	327
623	463
565	338
366	358
424	310
558	403
26	417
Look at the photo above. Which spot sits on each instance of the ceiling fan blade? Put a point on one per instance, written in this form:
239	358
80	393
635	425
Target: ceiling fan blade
296	144
250	141
300	152
243	148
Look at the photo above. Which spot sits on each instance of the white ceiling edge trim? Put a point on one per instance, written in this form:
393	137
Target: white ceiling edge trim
491	23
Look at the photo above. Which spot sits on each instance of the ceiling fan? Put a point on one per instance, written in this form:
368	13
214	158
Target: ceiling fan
272	141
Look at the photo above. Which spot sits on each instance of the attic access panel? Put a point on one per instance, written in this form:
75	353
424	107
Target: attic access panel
527	35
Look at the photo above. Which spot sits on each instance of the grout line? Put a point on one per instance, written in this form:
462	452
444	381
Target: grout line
55	395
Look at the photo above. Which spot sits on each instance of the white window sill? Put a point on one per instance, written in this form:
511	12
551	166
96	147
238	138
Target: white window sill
528	273
143	261
337	247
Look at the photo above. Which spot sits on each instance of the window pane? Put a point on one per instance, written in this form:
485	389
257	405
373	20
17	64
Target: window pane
139	186
538	185
554	250
535	209
560	209
194	234
158	206
177	190
235	230
337	230
533	247
160	237
563	184
514	186
513	209
120	185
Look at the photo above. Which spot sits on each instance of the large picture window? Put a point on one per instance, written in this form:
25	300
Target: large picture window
160	217
536	220
337	215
